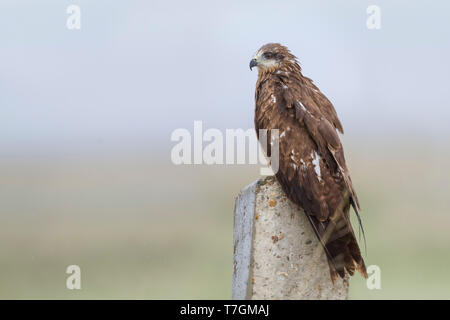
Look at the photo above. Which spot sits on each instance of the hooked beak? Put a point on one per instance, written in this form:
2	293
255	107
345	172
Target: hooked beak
253	63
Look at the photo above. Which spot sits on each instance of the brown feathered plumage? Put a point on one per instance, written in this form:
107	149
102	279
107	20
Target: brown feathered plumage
312	169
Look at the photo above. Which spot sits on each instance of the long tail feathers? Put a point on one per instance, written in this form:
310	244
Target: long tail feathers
360	225
340	245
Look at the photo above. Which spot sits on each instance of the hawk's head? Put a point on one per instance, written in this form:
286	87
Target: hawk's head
271	57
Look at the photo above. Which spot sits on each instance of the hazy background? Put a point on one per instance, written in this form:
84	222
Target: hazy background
86	117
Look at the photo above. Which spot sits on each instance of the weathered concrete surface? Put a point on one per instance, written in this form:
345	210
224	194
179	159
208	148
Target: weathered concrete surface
243	233
276	253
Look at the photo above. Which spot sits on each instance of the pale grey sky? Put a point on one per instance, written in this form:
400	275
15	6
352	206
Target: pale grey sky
139	69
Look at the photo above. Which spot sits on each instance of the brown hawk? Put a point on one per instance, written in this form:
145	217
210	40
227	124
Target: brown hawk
312	169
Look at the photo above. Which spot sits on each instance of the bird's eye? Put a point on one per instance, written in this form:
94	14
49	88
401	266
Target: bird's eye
268	55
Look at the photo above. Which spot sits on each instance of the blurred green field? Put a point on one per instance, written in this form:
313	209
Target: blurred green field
141	228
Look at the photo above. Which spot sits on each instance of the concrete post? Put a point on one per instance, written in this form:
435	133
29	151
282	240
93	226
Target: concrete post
276	253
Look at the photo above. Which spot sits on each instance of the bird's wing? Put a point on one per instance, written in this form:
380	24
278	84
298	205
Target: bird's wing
326	200
325	105
314	111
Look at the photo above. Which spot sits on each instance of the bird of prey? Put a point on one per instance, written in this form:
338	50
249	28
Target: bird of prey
312	170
